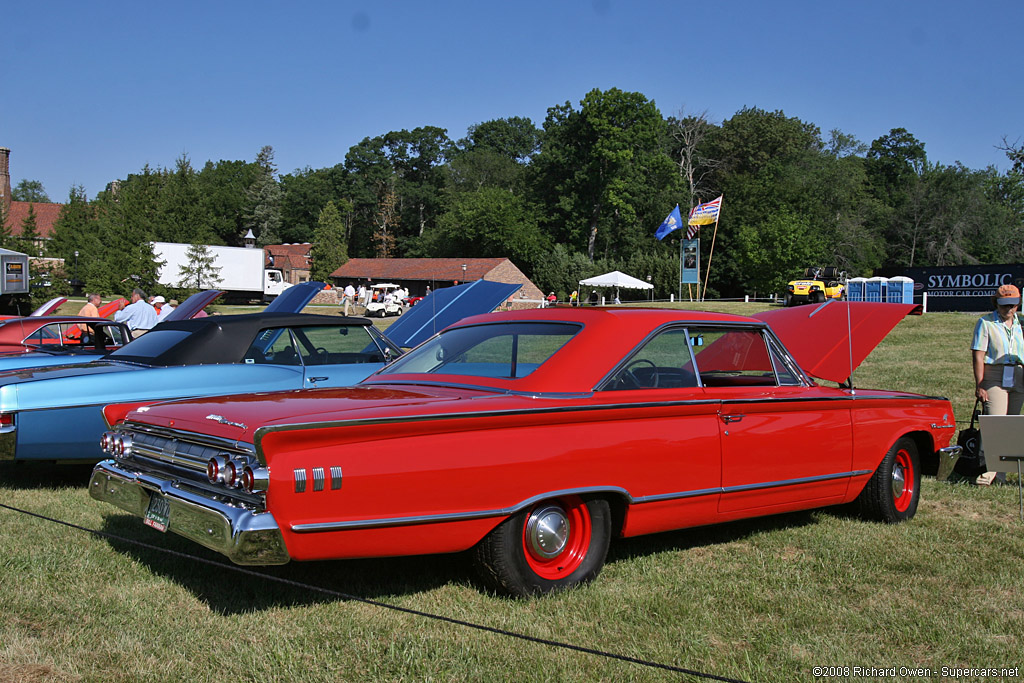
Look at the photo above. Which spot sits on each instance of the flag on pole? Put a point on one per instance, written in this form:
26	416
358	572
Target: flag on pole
673	222
703	214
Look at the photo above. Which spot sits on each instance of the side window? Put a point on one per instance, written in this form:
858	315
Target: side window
728	358
273	346
334	345
661	363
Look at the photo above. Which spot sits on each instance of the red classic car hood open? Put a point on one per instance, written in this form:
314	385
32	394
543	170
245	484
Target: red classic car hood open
831	340
238	417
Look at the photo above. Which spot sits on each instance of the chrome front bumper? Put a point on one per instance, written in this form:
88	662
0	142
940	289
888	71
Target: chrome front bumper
947	461
245	537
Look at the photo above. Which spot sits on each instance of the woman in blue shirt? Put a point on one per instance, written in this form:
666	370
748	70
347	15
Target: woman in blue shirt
997	351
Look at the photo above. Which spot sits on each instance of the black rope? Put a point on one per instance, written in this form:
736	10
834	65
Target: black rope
376	603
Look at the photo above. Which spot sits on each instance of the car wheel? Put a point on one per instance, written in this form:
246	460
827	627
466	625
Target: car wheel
383	313
400	311
788	301
892	493
553	545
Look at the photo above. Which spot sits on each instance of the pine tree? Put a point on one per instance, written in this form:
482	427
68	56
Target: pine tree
387	220
30	233
264	196
330	248
200	272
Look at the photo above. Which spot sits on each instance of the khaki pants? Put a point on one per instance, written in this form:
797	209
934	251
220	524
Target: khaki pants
1001	401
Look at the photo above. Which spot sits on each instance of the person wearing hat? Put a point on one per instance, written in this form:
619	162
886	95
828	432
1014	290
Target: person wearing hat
162	309
997	354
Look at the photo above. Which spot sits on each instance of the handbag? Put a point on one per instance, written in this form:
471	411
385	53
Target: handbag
972	461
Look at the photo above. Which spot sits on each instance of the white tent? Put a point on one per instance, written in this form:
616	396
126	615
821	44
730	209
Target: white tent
616	279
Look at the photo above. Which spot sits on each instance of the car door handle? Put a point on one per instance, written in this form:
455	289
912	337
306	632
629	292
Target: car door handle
317	379
729	419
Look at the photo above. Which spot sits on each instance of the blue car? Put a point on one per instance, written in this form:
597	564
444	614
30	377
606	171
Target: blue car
56	413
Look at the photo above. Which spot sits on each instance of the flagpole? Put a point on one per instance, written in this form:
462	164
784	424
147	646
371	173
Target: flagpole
711	254
681	269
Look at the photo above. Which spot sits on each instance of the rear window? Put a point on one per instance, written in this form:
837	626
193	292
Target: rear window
150	345
499	351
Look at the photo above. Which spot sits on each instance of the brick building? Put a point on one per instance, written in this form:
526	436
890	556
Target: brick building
15	213
291	259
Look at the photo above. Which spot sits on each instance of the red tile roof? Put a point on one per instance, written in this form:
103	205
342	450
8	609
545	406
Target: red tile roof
288	256
418	268
46	216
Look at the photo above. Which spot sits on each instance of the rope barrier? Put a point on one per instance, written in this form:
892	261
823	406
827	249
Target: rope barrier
384	605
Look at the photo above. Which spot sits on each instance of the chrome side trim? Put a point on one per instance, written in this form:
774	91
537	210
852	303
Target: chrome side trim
318	478
335	478
300	480
518	507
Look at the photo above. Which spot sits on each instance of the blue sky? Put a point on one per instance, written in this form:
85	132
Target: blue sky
93	91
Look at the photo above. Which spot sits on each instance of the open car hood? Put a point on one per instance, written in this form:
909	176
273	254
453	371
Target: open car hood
831	340
49	308
295	298
192	305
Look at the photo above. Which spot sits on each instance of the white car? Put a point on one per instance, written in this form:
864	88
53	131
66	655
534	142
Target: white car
387	301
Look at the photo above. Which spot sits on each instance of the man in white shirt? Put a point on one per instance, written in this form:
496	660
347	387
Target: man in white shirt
138	315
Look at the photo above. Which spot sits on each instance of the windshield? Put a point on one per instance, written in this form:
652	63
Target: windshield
500	350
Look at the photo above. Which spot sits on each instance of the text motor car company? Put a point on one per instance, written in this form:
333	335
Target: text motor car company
961	288
534	437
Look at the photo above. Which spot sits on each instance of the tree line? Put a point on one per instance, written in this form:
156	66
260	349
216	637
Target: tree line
581	194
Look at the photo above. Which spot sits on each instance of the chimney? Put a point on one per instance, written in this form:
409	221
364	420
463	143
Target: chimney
5	177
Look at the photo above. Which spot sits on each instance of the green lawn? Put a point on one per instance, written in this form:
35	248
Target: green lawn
762	600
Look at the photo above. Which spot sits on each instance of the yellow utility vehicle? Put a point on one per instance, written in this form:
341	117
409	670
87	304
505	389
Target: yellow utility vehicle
817	285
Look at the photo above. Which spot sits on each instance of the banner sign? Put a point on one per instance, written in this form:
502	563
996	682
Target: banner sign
689	273
960	288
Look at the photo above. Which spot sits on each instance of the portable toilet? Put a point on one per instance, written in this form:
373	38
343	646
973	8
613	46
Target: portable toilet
900	290
873	289
855	289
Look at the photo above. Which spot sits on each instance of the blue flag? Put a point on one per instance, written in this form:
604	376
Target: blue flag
670	224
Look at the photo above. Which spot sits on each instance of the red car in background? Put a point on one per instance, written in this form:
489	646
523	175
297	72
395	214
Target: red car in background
533	438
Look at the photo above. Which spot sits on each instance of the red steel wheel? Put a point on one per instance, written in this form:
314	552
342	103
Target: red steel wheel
556	544
903	480
892	493
556	537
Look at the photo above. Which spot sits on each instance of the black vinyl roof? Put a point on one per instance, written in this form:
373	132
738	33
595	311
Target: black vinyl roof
215	338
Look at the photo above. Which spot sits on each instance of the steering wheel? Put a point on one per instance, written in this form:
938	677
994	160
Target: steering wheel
322	354
627	373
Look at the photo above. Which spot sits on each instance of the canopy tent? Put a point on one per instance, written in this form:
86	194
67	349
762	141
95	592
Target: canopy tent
616	279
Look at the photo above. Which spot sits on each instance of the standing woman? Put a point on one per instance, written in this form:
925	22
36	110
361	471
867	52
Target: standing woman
997	352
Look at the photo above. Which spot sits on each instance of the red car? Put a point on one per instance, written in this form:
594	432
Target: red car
61	333
534	438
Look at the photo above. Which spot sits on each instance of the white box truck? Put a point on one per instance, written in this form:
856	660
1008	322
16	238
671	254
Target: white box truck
243	274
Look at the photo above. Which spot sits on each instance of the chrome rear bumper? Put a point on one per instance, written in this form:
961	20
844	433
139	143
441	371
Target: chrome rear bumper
243	536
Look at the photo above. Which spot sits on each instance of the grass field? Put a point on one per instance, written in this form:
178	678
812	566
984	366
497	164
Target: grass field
762	600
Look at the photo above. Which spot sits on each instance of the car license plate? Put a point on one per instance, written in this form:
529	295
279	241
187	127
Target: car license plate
158	514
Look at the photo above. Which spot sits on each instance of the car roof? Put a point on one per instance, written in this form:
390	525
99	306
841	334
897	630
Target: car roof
607	335
220	338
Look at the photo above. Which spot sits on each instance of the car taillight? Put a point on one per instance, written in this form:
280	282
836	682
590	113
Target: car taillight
6	420
215	469
255	480
232	474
